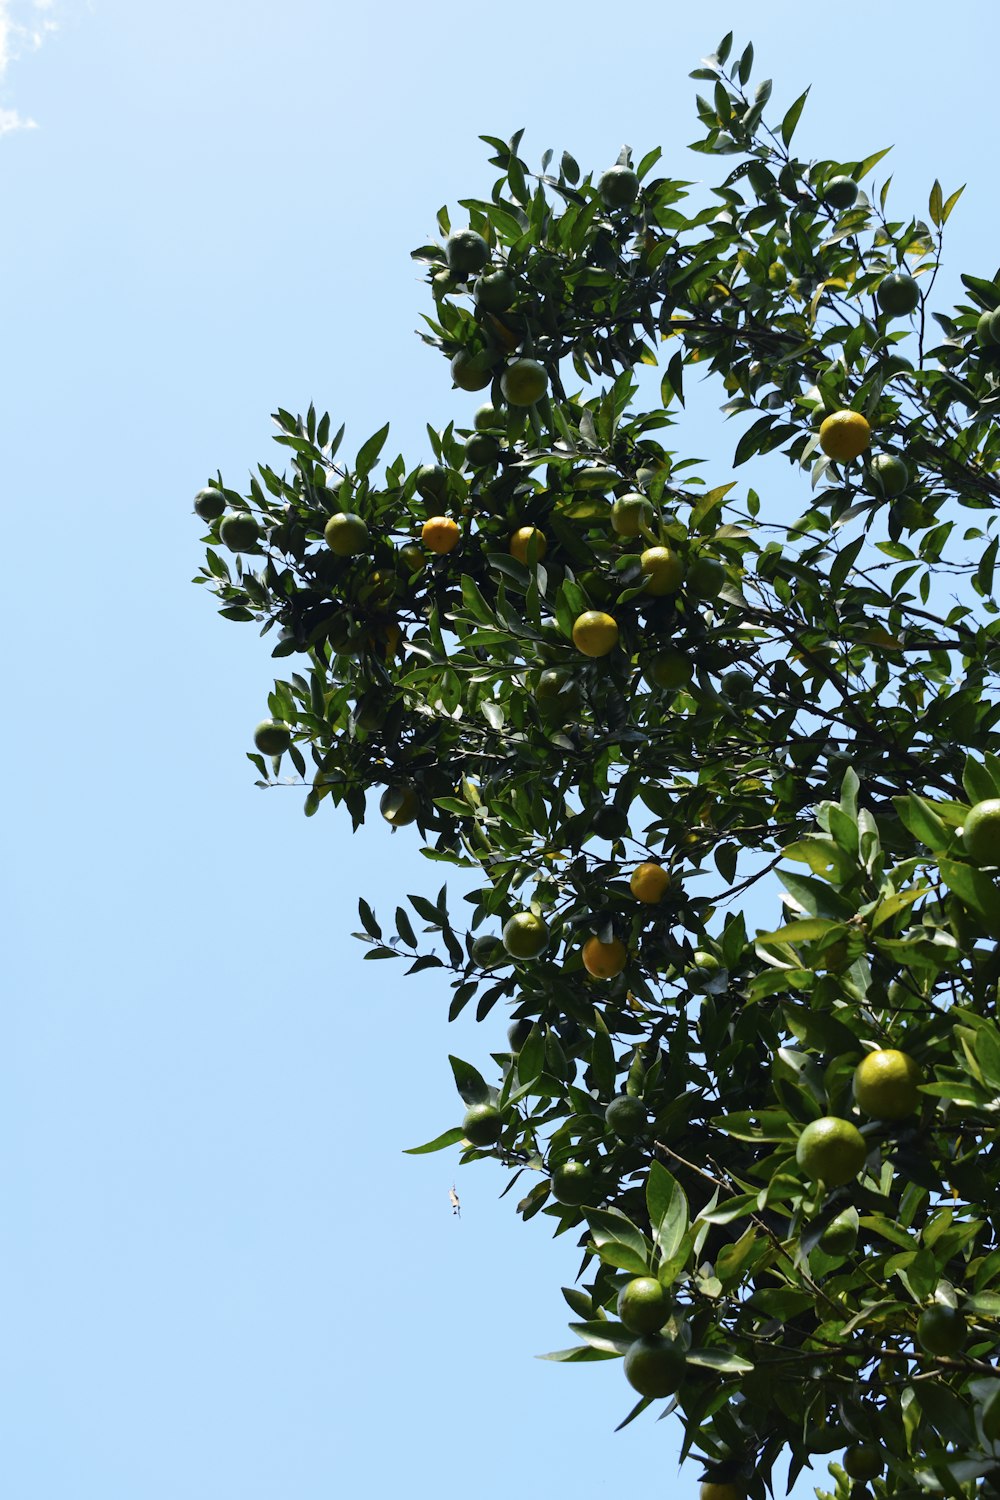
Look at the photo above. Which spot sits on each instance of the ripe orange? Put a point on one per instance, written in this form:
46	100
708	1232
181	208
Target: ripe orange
346	534
644	1304
525	935
655	1366
528	543
524	382
604	960
831	1151
649	883
595	633
844	435
981	834
886	1085
662	570
440	534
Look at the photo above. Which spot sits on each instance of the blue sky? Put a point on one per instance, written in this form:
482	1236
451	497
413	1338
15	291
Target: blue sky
219	1276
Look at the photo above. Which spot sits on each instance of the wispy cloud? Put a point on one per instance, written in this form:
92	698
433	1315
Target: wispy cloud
24	26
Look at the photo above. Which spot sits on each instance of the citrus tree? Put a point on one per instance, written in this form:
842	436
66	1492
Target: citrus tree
619	697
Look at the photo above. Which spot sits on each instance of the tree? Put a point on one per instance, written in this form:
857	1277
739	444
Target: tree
617	697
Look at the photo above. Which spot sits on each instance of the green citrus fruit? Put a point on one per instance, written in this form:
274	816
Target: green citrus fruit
466	252
662	570
482	451
841	1234
655	1366
482	1125
630	513
898	294
525	935
863	1461
618	187
573	1183
272	737
984	331
495	292
669	669
518	1033
713	1489
486	417
886	1085
890	474
595	633
488	951
840	192
472	372
558	696
626	1118
844	435
209	504
238	531
941	1330
595	477
432	481
610	823
412	557
705	578
346	534
442	283
523	382
995	325
831	1151
644	1305
399	805
981	834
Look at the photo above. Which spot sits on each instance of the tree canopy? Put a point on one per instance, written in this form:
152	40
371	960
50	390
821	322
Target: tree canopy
619	695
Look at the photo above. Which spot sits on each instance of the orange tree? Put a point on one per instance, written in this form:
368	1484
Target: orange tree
617	696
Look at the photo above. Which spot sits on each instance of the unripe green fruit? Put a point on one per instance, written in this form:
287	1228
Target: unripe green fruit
618	187
626	1117
482	1125
898	294
466	252
941	1330
209	504
495	292
573	1183
272	737
840	192
239	531
644	1305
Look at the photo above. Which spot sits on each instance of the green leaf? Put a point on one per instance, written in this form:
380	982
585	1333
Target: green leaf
368	921
977	781
936	205
448	1138
975	889
618	1241
791	119
611	1338
469	1082
922	821
668	1210
370	451
723	1361
803	930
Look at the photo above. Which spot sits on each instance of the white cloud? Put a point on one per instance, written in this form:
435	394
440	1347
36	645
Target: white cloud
24	26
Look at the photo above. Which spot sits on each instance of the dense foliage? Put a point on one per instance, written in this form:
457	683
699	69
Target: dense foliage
617	696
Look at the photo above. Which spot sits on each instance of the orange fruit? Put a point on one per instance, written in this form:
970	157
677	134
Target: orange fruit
482	1125
595	633
981	833
844	435
655	1366
399	805
840	192
644	1304
209	504
472	372
890	474
626	1117
629	514
272	737
525	935
898	294
239	531
841	1235
662	570
604	960
466	251
886	1085
941	1329
618	187
573	1183
440	534
524	382
649	882
528	543
346	534
831	1151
